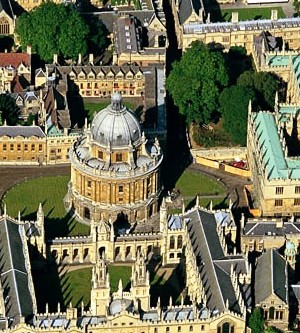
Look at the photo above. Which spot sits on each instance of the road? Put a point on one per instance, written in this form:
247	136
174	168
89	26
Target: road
12	175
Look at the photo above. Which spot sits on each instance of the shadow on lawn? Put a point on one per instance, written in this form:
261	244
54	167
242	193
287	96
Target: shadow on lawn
47	288
163	287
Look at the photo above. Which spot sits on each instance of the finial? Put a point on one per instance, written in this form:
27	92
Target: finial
211	206
183	207
19	216
249	107
197	201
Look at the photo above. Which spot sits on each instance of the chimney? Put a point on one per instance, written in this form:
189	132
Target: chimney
28	49
79	59
274	14
235	17
91	59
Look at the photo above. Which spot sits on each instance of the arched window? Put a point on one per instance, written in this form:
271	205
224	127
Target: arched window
179	242
225	328
172	242
87	214
271	312
4	26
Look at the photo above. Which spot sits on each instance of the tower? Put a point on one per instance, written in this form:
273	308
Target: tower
290	253
100	293
140	283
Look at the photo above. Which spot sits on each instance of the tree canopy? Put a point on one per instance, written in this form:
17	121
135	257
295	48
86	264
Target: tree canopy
256	321
264	84
53	28
195	82
234	108
9	110
97	39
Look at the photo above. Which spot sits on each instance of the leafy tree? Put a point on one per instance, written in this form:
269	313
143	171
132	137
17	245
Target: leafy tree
237	62
97	39
234	108
265	85
272	329
53	28
9	110
256	321
195	82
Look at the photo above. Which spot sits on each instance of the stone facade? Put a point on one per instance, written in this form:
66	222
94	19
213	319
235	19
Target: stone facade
30	145
114	172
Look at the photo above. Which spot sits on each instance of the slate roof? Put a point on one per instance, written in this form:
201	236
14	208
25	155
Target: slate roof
269	228
213	264
187	7
126	35
15	59
270	277
14	275
24	131
6	6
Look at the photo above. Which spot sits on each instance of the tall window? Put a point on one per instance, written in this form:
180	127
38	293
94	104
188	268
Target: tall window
297	189
172	242
278	202
279	189
4	26
119	157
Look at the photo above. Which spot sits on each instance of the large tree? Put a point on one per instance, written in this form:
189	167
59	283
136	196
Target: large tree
9	110
234	109
53	28
195	82
264	84
256	321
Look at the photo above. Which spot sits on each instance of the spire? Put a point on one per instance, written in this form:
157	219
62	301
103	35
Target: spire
197	201
120	289
211	206
19	217
249	107
276	104
183	207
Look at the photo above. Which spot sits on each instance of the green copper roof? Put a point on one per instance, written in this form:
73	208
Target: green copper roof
276	164
278	60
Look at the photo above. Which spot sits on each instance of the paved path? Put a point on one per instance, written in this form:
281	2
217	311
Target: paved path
11	175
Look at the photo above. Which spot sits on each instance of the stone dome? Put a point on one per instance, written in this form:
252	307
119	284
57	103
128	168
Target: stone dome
116	125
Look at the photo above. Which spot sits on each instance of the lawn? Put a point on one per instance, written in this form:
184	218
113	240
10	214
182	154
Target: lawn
92	108
75	286
192	183
251	13
50	191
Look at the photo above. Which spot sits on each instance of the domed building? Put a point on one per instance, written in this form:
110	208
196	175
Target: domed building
114	169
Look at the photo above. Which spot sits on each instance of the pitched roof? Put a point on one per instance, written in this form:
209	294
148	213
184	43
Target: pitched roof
15	59
25	131
187	7
213	264
15	278
6	6
270	228
270	277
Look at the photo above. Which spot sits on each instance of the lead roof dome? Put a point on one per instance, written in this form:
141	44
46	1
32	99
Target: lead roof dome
116	125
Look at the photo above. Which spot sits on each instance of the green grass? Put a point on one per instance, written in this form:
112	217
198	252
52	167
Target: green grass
50	191
76	287
119	272
191	182
251	13
92	108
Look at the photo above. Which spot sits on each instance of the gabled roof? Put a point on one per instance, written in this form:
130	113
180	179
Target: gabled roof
6	6
15	278
213	264
270	277
187	7
15	59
